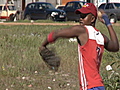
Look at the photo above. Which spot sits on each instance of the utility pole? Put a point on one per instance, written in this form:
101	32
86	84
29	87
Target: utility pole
107	1
23	4
7	1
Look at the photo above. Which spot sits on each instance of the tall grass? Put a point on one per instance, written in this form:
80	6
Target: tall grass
21	67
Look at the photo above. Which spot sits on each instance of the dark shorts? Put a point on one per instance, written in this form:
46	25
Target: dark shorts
97	88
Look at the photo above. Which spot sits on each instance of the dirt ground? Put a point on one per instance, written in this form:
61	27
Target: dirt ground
14	23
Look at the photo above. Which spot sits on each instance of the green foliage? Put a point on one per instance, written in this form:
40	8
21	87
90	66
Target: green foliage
21	67
112	77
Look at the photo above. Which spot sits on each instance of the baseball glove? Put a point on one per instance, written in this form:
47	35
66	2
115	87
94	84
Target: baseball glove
50	58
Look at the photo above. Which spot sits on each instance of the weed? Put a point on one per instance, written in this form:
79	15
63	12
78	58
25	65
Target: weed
21	67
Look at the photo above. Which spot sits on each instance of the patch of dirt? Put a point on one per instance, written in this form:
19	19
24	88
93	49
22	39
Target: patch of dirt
14	23
2	23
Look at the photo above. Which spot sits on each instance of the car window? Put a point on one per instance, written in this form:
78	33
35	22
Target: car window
11	8
82	3
39	6
78	6
32	6
117	5
70	5
102	6
47	6
4	8
111	6
108	6
0	7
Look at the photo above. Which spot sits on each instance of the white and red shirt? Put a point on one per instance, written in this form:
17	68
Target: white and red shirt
90	56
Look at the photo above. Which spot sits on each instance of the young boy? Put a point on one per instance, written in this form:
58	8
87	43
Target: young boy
91	44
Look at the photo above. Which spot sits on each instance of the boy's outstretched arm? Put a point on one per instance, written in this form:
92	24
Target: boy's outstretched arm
71	32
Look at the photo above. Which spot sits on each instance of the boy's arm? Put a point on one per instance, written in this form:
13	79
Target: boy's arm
112	44
64	33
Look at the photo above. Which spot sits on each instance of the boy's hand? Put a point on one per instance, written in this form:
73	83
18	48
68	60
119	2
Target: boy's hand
103	17
106	20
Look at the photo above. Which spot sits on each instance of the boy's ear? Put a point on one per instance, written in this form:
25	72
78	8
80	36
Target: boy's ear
93	19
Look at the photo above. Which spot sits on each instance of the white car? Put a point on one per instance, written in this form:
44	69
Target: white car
7	11
61	7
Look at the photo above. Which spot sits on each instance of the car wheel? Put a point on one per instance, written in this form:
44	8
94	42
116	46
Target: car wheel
28	17
113	19
49	17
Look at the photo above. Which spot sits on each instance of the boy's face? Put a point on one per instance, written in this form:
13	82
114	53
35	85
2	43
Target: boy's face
86	19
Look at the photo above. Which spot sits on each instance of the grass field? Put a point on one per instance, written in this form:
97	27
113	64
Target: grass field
21	67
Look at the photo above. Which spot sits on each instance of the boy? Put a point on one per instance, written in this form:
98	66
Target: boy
91	44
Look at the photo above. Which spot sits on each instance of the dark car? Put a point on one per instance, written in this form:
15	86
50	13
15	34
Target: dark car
112	10
70	8
43	10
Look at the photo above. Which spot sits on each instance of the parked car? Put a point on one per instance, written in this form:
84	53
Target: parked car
70	8
43	10
112	10
61	7
8	11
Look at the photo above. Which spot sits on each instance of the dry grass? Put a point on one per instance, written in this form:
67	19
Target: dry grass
21	67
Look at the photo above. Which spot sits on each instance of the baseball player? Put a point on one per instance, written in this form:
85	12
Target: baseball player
91	44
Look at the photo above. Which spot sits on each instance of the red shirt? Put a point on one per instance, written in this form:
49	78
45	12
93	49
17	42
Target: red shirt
90	56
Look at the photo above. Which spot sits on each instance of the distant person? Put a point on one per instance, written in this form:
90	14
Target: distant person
91	44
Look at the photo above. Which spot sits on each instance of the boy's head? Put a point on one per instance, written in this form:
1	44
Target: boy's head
87	8
88	14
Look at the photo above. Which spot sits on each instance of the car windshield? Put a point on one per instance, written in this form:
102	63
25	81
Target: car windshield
102	6
10	7
82	3
117	5
48	6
